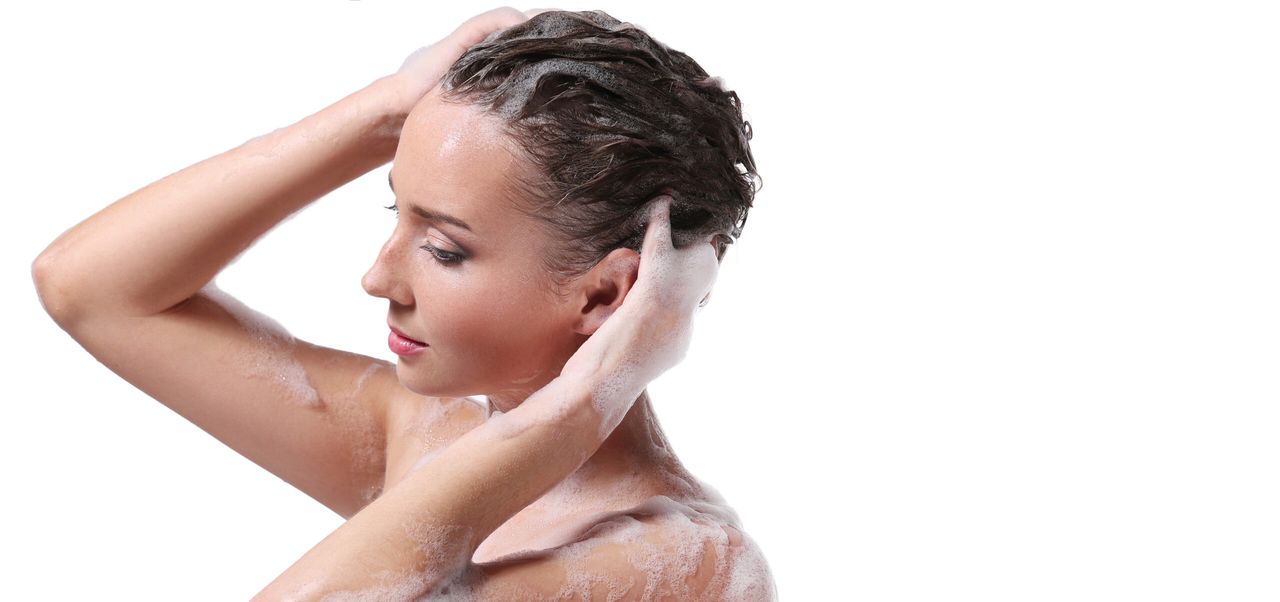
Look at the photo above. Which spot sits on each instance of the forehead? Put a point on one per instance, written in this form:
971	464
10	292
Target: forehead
455	159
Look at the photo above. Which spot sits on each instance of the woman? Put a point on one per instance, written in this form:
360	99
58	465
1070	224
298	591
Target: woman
565	191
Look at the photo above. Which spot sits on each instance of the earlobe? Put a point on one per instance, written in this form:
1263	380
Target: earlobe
594	320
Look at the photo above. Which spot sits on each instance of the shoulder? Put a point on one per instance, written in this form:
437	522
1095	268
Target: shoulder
414	414
659	550
417	427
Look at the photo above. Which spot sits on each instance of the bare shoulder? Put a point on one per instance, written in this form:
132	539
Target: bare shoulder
418	427
659	550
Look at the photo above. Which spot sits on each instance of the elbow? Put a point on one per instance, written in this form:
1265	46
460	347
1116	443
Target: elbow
51	287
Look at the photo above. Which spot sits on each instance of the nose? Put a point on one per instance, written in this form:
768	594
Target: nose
383	279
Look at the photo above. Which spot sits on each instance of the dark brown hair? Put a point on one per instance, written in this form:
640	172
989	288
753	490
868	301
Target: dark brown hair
608	118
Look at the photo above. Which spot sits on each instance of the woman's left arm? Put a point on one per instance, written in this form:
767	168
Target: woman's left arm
420	535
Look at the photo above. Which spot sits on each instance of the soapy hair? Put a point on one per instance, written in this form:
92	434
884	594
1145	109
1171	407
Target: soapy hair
607	118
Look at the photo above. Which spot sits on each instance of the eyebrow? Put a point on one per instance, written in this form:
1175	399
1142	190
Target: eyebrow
430	215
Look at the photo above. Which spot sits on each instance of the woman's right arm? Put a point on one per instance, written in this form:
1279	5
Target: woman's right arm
158	246
129	285
155	248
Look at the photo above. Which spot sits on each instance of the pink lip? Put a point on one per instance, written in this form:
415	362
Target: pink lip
403	345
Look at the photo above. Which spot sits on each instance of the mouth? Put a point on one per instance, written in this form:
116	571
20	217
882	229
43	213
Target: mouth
402	335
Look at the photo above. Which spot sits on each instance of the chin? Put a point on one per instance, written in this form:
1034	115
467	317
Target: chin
416	383
424	386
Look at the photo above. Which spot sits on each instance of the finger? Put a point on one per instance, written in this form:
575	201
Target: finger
502	16
657	235
536	11
704	268
477	28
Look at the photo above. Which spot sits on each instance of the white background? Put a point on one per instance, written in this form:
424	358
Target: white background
1002	325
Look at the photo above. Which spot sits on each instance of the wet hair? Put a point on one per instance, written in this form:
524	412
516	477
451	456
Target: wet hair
607	118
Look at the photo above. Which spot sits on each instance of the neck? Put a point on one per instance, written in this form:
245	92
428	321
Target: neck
637	440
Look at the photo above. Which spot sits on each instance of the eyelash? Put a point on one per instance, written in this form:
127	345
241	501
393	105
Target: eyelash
442	256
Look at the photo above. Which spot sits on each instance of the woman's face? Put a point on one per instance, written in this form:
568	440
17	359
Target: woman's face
476	295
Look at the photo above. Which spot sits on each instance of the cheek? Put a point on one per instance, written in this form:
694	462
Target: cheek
489	314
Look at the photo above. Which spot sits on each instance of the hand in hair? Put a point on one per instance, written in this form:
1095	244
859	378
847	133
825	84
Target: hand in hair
422	70
651	331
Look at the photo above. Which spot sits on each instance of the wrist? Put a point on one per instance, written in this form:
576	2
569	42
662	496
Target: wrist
400	98
385	99
613	365
608	350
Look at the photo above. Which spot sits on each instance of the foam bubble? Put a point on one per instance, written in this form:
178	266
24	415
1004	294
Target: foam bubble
613	397
682	543
553	405
373	368
675	548
749	578
391	586
440	544
270	359
370	454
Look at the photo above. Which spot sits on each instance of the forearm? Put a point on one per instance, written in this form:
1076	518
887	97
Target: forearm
425	529
159	245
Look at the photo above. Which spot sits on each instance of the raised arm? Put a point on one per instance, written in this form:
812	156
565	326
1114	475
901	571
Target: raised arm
157	247
183	229
132	285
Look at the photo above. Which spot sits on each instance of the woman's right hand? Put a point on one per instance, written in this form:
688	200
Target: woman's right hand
424	68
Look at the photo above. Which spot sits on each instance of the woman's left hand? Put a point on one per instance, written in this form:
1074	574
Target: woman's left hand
651	331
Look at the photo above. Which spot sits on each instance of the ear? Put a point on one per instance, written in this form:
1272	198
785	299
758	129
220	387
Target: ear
600	291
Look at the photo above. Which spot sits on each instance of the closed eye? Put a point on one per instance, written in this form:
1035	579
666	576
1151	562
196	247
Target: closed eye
443	256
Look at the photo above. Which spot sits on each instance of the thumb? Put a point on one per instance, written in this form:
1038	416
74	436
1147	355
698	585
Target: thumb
657	235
